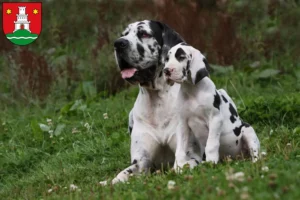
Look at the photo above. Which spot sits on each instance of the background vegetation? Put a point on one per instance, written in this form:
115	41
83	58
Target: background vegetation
64	107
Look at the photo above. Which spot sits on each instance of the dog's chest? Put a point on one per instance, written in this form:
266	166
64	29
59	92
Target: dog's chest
155	113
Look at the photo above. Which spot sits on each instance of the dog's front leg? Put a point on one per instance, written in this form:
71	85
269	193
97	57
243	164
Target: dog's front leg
184	149
138	166
213	140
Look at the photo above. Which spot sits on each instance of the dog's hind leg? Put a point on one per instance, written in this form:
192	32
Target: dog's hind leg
251	141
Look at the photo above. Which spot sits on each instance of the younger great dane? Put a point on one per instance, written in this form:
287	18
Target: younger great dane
140	54
205	113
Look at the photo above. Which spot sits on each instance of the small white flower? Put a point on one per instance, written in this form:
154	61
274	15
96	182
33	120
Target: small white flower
50	133
49	122
87	126
238	176
288	144
265	168
262	176
50	190
171	185
73	187
263	153
105	116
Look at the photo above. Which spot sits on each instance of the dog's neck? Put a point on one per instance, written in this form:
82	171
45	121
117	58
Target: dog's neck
205	85
156	86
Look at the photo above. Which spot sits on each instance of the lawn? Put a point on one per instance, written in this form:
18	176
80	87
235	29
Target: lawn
45	149
64	107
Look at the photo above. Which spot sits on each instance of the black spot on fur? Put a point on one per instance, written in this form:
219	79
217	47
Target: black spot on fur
184	72
157	32
141	50
160	74
151	49
188	65
237	130
237	142
217	101
134	162
232	119
206	65
200	75
204	157
246	124
195	160
180	54
153	85
233	113
129	171
187	153
224	99
130	129
140	23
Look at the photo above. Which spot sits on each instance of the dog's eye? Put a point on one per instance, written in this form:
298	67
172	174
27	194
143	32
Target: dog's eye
145	35
182	57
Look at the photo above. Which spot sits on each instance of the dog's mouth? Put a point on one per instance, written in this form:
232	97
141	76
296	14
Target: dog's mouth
127	71
135	74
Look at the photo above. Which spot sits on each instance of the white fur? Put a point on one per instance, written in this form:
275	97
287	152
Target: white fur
153	119
199	118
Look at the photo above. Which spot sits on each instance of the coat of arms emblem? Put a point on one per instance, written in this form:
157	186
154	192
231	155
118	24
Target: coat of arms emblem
22	21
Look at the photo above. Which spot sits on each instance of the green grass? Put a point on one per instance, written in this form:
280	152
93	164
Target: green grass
87	148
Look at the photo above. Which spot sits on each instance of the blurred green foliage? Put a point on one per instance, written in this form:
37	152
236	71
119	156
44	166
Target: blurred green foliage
74	55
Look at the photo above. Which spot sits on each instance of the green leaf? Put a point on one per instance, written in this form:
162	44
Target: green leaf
59	129
267	73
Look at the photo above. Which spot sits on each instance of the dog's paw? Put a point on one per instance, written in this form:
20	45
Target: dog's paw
213	158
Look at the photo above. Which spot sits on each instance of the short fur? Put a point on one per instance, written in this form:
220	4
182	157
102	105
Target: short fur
152	121
205	113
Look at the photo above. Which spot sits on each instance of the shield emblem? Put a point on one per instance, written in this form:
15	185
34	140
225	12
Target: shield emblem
22	21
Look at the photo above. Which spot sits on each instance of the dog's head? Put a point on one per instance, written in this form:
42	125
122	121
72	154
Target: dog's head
141	48
185	63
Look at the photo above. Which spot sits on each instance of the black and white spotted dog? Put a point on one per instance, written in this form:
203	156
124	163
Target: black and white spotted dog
205	113
140	53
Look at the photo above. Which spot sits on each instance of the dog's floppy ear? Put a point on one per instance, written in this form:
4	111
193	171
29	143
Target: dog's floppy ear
197	66
165	36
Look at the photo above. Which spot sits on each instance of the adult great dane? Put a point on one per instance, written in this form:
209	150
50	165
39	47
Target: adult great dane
140	54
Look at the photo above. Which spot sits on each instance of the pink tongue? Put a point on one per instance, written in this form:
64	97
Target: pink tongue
127	73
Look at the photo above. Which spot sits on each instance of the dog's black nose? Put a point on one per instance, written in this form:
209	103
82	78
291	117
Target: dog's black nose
121	43
167	72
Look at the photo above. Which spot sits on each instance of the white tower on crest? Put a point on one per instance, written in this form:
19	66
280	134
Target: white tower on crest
22	22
